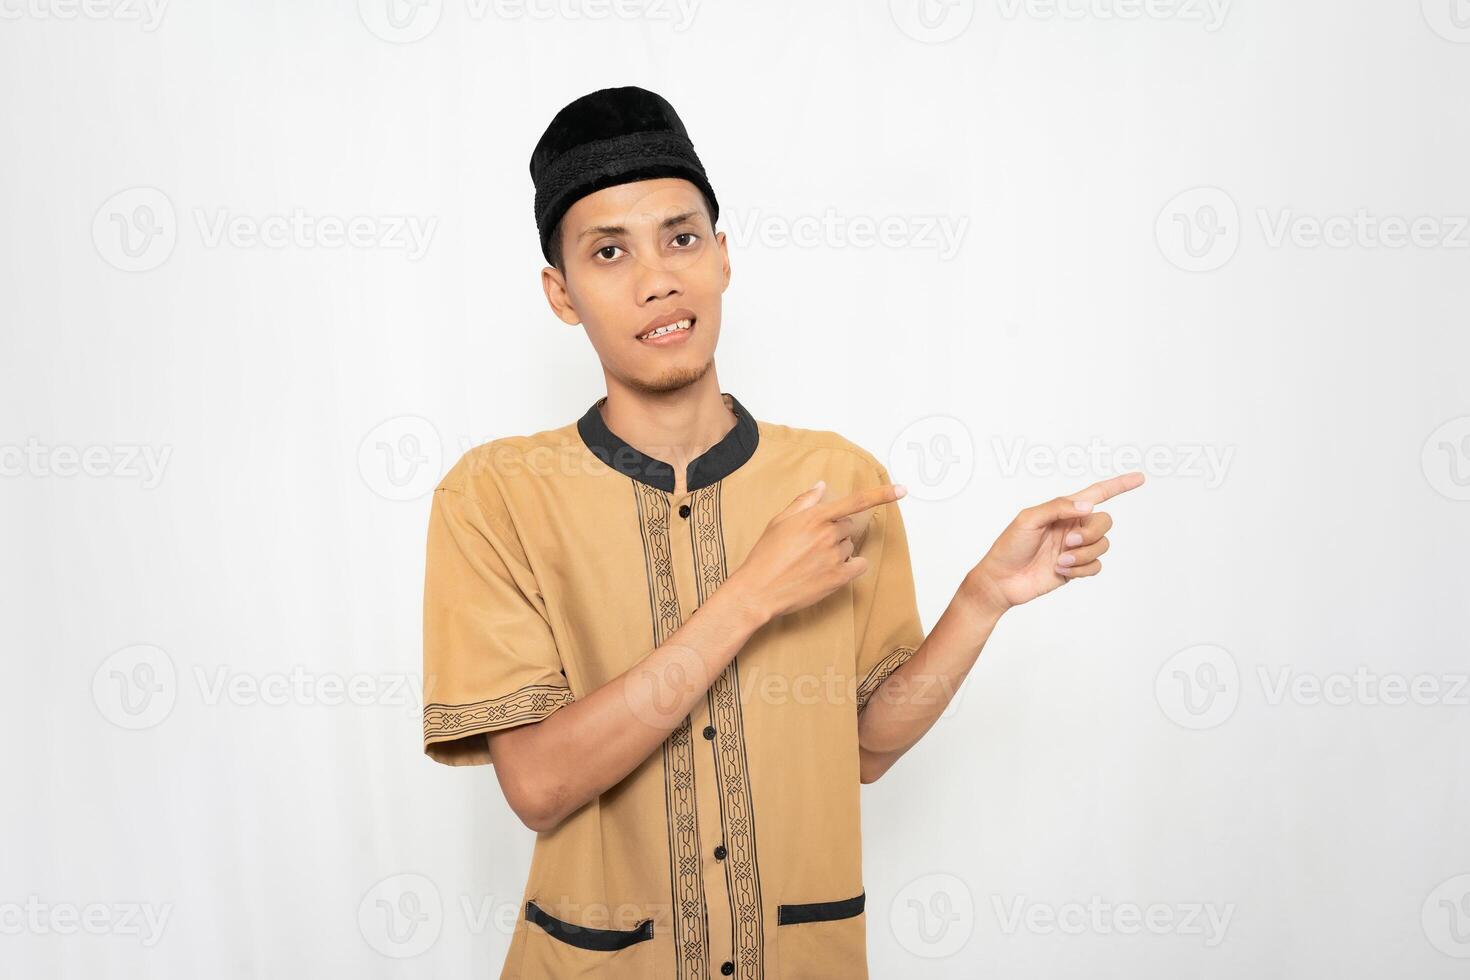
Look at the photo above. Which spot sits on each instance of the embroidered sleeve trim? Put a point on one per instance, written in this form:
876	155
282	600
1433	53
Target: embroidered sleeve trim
533	702
880	673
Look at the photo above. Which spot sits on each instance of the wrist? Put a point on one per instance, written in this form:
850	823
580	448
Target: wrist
982	595
743	603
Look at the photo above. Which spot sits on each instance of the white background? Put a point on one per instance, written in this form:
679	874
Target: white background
1131	192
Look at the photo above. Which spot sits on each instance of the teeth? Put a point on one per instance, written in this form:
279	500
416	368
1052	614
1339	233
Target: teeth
681	325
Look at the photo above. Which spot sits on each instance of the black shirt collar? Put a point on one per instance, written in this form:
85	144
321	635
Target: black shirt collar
711	466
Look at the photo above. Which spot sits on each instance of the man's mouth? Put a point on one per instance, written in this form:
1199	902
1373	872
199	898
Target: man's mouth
663	331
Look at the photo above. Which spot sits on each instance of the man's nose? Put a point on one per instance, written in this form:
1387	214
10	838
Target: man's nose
658	283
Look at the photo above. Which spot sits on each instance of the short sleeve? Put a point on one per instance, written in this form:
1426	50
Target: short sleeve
490	661
885	605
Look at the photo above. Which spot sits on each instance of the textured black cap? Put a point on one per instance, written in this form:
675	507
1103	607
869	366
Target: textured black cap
611	136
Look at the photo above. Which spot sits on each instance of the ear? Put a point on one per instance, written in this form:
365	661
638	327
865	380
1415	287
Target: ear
554	284
724	259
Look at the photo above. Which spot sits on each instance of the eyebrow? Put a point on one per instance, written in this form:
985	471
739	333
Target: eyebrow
677	219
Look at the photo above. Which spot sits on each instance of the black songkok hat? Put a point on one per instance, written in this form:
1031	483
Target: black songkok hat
611	136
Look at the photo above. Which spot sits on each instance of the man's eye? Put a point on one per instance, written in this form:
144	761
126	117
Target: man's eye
602	252
685	234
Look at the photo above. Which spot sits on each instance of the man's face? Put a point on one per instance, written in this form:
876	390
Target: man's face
638	254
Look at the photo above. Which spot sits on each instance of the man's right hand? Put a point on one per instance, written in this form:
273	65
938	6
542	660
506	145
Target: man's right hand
805	552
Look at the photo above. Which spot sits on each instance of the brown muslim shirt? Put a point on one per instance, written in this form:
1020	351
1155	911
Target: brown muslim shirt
556	561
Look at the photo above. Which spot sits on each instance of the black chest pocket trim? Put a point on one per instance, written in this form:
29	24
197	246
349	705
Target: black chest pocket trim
587	937
820	911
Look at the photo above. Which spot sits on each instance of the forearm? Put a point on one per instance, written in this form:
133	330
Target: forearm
554	767
913	697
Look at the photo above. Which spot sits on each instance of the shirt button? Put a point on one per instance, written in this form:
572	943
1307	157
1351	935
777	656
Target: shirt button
683	510
727	968
720	852
709	732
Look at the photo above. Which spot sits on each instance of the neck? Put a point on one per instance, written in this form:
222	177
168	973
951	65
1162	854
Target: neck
674	426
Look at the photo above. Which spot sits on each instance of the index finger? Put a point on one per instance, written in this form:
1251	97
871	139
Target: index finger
859	501
1111	487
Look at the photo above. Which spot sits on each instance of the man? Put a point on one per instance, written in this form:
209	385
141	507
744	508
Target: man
682	636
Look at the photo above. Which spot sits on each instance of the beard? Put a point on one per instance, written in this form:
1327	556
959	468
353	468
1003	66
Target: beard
670	380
